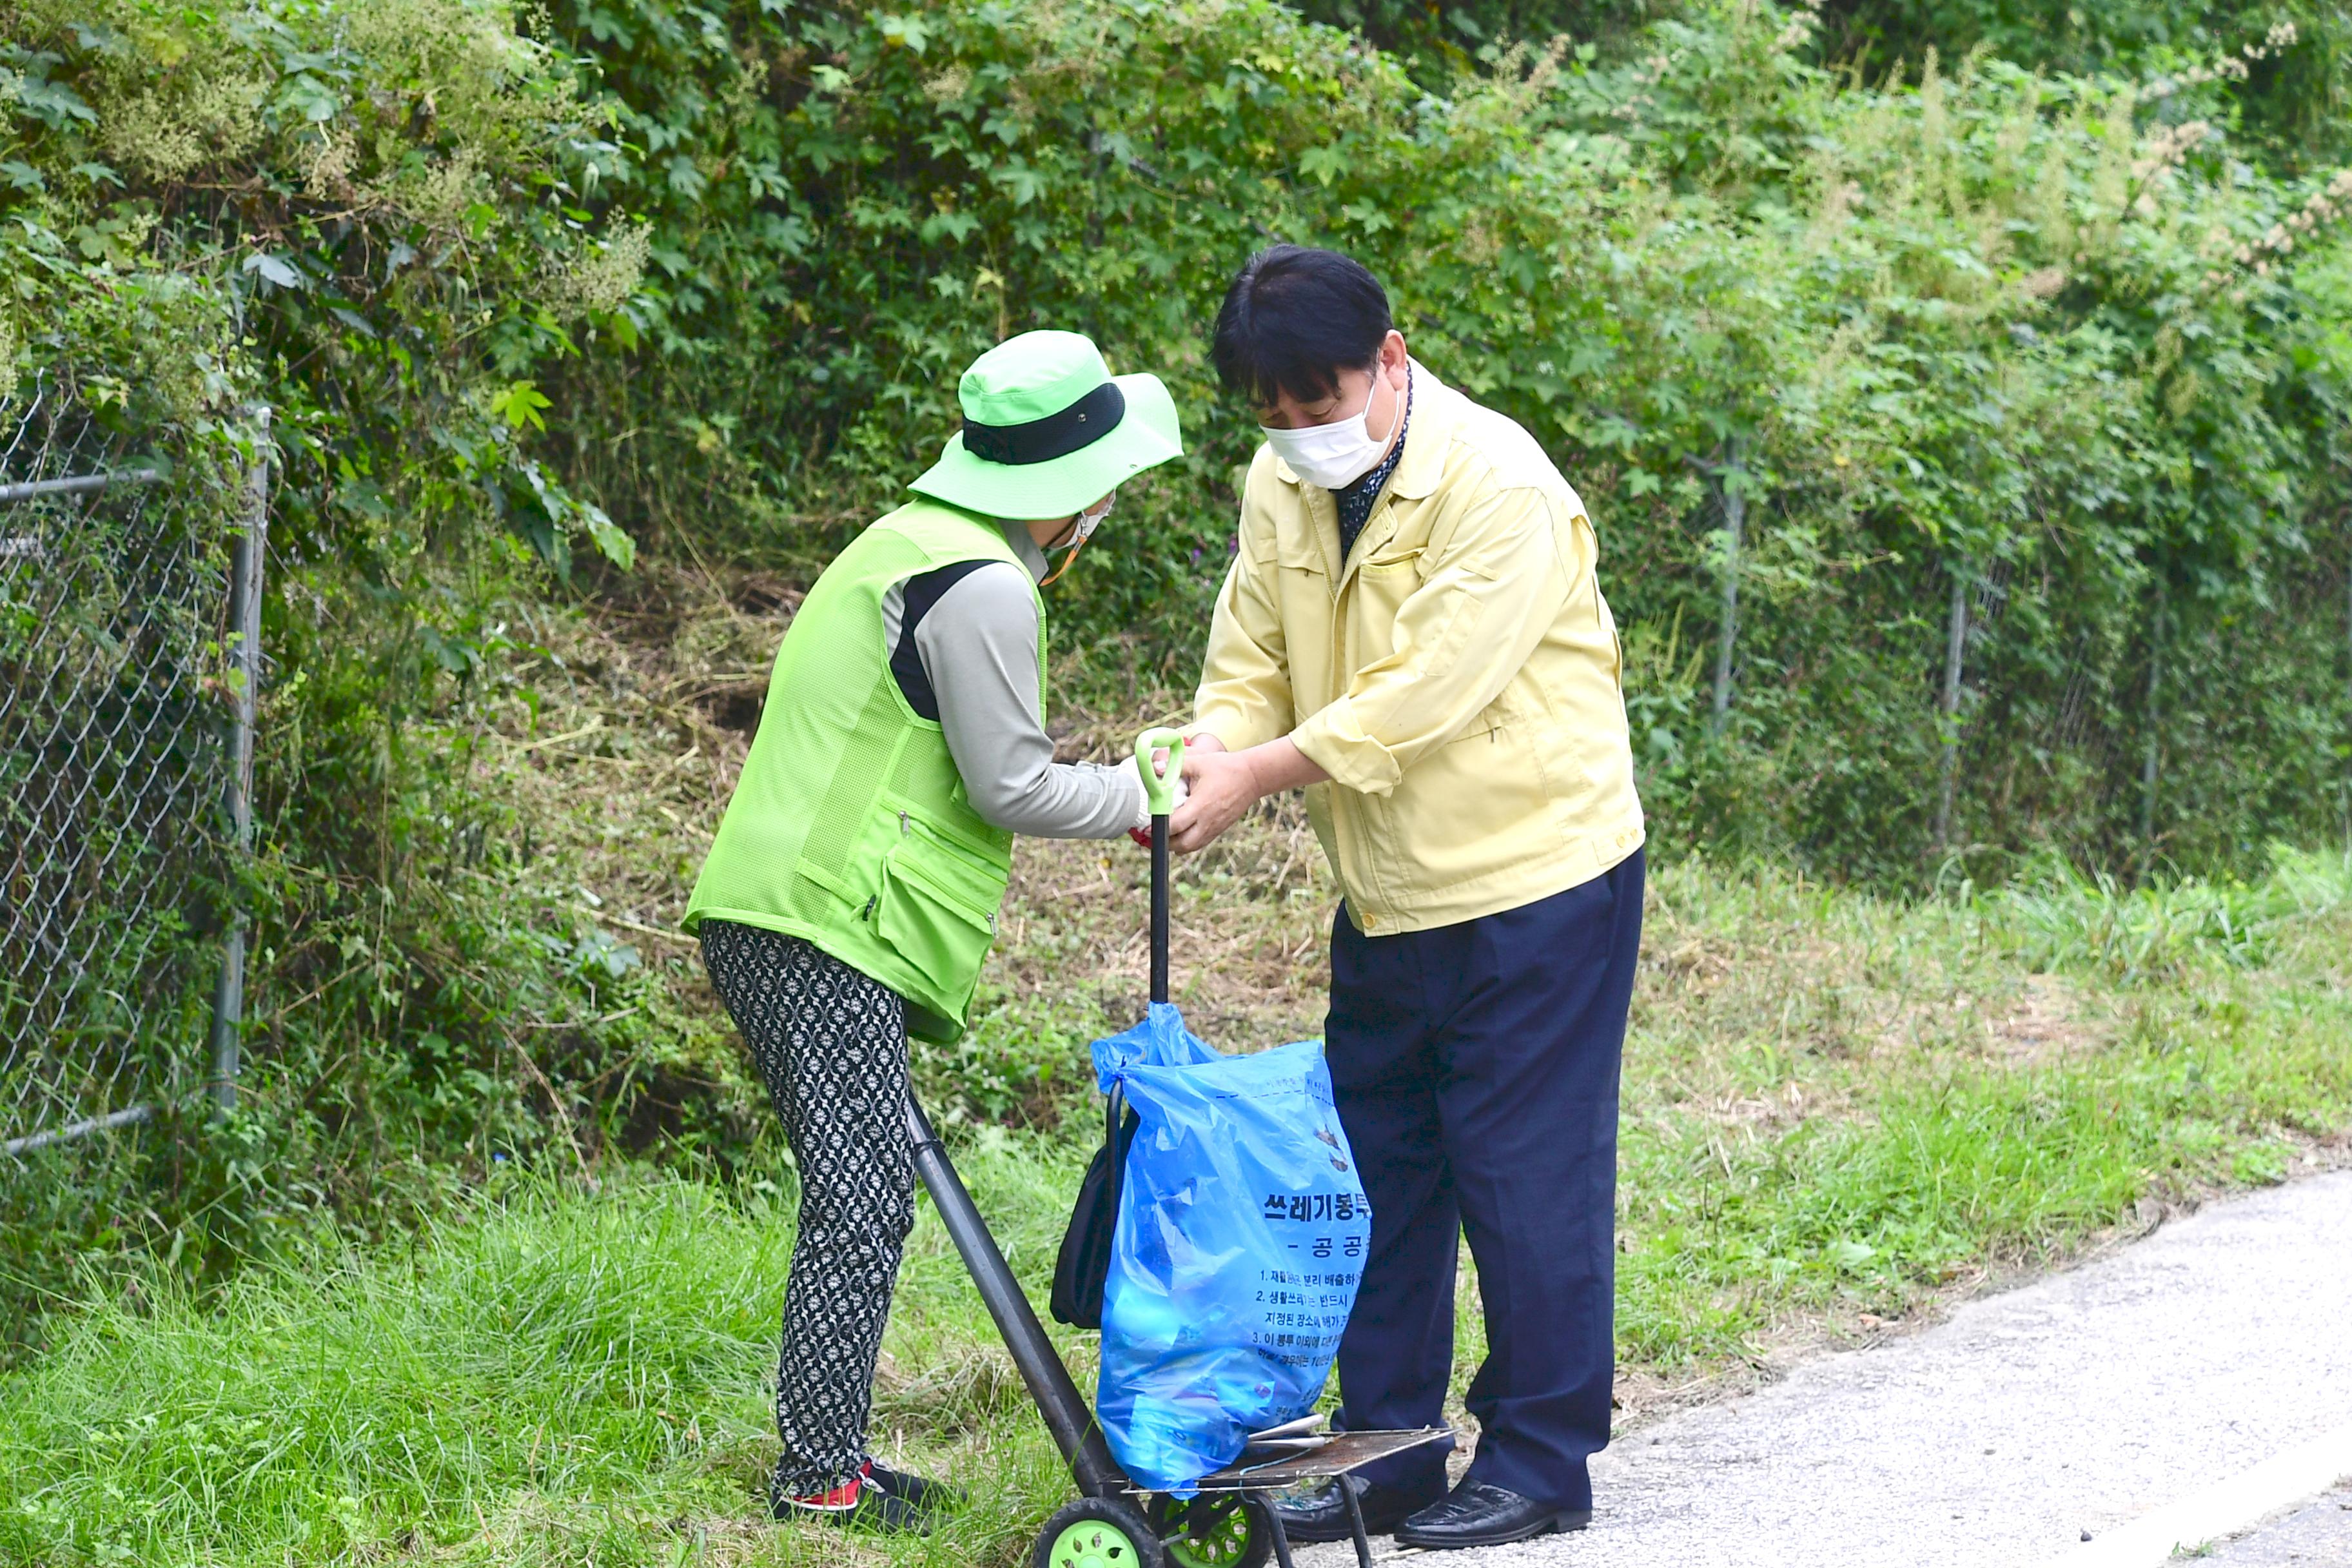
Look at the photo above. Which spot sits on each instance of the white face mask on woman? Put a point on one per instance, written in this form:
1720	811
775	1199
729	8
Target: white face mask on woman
1333	456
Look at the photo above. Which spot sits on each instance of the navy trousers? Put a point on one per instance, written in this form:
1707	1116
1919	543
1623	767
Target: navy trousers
1475	1068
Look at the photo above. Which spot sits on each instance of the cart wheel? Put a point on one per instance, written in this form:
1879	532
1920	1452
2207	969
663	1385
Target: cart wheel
1211	1532
1097	1533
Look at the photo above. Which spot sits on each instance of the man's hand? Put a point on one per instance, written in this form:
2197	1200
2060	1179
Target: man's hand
1225	784
1223	787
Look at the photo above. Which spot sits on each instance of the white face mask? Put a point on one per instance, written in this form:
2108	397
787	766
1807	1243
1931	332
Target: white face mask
1333	456
1090	521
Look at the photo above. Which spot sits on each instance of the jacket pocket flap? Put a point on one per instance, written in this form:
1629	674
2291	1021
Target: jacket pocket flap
1295	546
1394	561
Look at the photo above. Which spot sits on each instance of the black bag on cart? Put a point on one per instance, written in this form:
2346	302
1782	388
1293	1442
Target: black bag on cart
1084	1262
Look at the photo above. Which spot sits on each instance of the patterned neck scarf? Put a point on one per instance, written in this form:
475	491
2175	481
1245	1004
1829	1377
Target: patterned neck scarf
1355	500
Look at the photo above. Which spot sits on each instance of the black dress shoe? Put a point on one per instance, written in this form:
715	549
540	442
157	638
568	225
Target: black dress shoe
1476	1514
1322	1514
924	1496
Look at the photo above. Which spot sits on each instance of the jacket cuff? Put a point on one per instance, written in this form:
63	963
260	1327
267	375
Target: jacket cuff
1335	741
1233	727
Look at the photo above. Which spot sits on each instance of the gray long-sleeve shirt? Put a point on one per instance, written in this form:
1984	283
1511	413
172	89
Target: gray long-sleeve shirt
964	644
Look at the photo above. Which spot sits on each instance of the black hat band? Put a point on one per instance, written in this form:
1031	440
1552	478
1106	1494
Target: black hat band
1058	434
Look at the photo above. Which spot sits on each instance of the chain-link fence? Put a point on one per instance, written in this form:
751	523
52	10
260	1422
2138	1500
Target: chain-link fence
129	641
2121	712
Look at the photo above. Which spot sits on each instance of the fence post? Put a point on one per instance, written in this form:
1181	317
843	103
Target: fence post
251	548
1956	642
2158	624
1735	523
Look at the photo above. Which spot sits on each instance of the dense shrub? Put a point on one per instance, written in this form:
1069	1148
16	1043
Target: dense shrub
2055	339
2049	340
363	216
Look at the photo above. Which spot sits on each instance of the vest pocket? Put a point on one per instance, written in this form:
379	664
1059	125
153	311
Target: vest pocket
965	853
941	930
831	884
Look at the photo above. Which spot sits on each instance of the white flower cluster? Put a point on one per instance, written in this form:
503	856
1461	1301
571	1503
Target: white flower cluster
2228	68
2168	147
2330	202
1649	74
1803	23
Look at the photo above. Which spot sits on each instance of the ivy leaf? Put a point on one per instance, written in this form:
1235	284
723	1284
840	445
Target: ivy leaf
607	536
1026	183
954	225
52	103
1324	165
519	404
276	270
311	99
909	32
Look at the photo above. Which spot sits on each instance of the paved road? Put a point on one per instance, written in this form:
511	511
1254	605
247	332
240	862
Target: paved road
2157	1376
2317	1535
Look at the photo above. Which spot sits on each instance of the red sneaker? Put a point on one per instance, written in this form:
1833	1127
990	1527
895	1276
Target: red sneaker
855	1505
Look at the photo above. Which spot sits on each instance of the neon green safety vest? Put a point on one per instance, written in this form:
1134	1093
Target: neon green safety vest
849	826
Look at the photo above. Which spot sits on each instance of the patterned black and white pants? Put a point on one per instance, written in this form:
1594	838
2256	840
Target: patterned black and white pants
832	1045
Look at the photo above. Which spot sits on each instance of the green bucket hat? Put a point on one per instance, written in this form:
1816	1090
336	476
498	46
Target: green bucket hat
1048	430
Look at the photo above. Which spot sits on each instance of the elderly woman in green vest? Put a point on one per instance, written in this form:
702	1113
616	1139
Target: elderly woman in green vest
853	890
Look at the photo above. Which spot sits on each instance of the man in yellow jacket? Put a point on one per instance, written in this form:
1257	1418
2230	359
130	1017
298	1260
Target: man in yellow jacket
1414	632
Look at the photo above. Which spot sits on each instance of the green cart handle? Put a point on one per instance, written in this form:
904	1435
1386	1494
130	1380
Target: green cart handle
1160	788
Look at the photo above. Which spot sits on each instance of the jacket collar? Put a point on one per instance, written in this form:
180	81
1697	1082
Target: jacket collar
1426	438
1419	468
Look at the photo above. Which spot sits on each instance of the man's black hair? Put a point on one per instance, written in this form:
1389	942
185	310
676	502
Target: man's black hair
1294	318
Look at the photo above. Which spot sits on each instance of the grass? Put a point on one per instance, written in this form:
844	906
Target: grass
1841	1112
555	1377
1840	1108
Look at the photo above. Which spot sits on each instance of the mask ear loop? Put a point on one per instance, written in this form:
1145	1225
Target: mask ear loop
1055	576
1084	525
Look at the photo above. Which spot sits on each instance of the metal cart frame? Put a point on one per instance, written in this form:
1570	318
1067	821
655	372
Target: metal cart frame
1156	1532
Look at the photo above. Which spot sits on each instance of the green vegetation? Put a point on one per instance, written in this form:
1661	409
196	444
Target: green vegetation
1940	318
1841	1110
2013	335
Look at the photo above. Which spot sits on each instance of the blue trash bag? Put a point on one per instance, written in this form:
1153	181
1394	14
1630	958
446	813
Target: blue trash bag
1240	1236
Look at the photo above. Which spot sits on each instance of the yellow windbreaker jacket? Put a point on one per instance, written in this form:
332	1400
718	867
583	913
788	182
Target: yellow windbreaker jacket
1457	676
